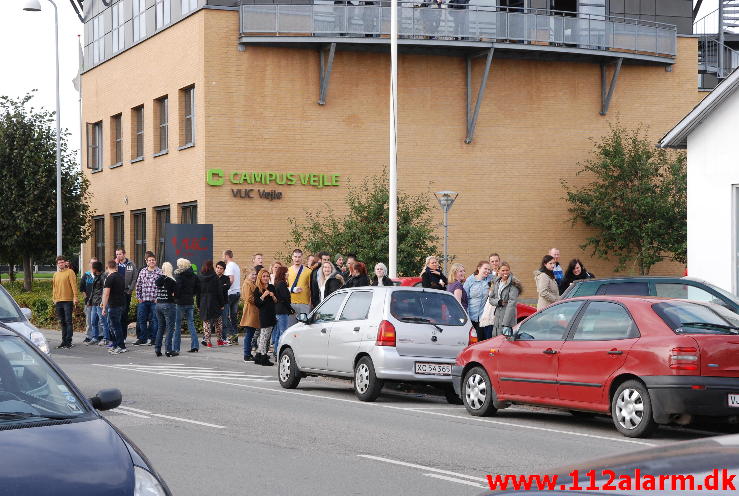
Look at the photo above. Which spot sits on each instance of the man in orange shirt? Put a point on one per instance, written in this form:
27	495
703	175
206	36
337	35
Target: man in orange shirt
64	293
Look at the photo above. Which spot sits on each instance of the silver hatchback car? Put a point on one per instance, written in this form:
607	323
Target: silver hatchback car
376	335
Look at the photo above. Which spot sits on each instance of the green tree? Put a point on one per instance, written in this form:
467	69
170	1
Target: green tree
28	187
636	201
364	230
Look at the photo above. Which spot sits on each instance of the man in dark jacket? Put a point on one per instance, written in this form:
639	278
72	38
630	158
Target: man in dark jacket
93	299
188	287
128	271
86	288
225	283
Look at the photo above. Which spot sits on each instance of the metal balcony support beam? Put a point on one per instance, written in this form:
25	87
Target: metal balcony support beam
326	72
472	116
606	95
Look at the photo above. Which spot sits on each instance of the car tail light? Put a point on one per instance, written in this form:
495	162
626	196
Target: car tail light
385	334
684	358
472	337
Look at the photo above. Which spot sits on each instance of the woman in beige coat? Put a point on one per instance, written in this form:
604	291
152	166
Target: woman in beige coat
250	317
546	285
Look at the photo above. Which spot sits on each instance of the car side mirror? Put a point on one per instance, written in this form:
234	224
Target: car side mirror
27	313
107	399
302	317
508	333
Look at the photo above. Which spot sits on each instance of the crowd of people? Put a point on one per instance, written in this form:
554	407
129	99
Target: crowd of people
272	297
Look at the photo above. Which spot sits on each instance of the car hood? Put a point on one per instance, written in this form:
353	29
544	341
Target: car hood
22	328
82	457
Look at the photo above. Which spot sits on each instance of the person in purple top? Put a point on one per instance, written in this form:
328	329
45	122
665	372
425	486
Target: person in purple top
456	284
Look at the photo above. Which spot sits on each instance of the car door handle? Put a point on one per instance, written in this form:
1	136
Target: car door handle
615	352
356	329
549	351
323	331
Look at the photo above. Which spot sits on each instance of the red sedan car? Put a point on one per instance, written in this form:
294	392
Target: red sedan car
522	311
644	361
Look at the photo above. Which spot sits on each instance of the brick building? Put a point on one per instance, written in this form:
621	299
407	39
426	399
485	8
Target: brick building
175	89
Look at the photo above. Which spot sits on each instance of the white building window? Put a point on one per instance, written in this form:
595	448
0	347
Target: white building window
118	21
98	46
139	19
94	146
163	11
188	6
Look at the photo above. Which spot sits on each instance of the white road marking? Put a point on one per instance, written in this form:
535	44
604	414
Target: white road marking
125	409
452	479
125	412
422	467
380	405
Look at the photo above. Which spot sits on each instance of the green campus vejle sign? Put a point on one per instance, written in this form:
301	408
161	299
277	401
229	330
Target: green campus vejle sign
216	177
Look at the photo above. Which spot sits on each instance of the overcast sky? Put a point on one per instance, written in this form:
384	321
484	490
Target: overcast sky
27	49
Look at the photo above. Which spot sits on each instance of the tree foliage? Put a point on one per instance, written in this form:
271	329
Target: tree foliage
636	201
28	187
364	230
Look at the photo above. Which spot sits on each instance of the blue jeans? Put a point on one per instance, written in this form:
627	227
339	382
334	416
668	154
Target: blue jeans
186	312
117	334
165	317
248	336
146	321
98	324
278	329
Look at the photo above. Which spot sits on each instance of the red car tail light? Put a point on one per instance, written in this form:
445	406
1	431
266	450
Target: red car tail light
684	358
472	337
385	334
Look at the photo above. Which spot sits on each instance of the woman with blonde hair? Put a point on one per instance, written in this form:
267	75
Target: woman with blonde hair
265	299
381	278
456	287
431	276
250	317
329	280
165	310
504	293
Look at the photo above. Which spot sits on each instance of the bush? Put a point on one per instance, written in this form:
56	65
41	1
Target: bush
41	303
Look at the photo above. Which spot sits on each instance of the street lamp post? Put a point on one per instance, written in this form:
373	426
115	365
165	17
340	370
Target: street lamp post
446	200
35	6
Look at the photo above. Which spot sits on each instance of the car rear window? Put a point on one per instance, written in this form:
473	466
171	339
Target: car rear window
624	288
697	318
427	306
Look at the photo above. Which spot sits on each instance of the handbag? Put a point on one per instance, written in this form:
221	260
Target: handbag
488	314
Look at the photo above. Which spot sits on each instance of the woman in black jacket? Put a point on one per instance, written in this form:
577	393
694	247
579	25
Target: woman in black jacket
283	308
225	283
328	280
381	278
210	303
358	276
575	271
265	299
165	309
431	276
186	289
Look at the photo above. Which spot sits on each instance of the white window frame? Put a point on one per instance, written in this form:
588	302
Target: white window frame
138	18
189	98
188	6
163	13
139	134
98	42
95	146
163	104
119	19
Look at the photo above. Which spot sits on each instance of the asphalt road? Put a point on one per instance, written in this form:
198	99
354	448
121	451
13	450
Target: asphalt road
212	424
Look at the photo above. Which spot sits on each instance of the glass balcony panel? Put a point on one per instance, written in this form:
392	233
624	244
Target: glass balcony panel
516	26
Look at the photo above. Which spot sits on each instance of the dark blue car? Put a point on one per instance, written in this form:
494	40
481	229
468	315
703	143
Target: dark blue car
52	439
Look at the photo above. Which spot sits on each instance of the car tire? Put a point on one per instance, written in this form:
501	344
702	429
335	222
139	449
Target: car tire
451	397
287	370
367	386
478	393
631	410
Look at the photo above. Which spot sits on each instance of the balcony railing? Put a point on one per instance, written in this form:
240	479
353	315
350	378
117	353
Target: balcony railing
473	23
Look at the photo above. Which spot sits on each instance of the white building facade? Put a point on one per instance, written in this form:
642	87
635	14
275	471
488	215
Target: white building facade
711	135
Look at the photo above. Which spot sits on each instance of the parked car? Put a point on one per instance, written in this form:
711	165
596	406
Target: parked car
377	335
700	467
688	288
522	309
644	361
52	439
19	319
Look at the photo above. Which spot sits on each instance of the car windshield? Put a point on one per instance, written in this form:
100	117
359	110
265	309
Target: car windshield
697	318
30	390
8	310
427	307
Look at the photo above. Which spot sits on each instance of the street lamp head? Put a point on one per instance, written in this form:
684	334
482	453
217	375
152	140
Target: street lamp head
32	6
446	198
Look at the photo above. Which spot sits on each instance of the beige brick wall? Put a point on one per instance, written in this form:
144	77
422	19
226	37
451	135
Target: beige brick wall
257	111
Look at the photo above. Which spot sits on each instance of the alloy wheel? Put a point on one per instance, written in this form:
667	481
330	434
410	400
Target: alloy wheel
285	367
629	409
475	391
361	378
